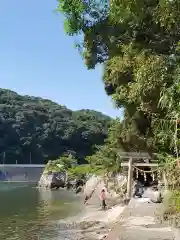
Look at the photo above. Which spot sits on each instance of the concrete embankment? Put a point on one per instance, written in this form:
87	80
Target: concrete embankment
30	174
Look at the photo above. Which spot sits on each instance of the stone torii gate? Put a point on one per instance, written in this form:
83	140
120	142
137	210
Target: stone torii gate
138	159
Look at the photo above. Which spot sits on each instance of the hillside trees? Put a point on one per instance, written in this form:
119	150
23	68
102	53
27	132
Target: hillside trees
35	130
138	44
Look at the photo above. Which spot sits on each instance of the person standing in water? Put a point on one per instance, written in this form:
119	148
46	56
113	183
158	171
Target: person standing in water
103	198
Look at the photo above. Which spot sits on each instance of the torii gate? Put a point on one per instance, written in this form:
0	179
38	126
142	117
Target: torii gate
132	156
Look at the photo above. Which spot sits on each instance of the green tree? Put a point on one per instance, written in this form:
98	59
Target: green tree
105	156
138	44
64	162
68	161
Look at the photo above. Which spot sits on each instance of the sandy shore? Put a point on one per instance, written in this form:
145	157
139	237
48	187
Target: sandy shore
92	224
103	221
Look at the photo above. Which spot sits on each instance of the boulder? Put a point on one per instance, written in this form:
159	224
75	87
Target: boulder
53	180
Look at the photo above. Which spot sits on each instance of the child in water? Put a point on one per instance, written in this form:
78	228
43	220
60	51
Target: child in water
103	198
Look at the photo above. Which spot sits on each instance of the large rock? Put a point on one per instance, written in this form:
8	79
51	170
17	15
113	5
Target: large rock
53	180
95	184
91	185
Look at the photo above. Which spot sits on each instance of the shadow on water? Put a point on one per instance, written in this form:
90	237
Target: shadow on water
27	213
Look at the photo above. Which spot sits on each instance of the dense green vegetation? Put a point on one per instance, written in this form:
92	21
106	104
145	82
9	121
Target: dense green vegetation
68	163
63	163
37	130
138	43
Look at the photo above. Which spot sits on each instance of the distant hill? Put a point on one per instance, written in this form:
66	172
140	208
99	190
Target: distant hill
39	129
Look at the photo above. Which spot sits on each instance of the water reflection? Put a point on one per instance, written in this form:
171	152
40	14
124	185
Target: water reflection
28	213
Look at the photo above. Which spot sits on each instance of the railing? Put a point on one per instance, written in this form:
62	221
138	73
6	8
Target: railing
23	165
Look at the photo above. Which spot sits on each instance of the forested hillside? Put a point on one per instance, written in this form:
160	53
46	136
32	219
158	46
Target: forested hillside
35	129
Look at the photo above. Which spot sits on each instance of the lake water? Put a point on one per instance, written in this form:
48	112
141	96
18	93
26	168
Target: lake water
27	213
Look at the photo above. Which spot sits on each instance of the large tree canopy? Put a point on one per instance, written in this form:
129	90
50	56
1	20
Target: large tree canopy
35	130
138	43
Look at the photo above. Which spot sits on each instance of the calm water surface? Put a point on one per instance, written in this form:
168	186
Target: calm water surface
27	213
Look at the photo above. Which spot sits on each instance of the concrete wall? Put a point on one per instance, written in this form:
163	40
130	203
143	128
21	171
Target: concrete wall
31	174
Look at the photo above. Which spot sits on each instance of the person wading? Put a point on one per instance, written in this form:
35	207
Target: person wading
103	198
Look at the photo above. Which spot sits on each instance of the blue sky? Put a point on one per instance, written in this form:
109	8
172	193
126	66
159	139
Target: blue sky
37	58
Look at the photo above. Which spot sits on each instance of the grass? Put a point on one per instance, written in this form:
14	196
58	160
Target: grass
170	210
79	171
